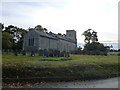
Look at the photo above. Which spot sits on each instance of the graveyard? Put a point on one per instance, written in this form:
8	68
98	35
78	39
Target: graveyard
74	67
22	64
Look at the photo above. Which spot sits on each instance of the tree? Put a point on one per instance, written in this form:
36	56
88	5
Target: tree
45	30
7	41
94	36
60	34
90	35
95	48
16	32
92	45
17	35
1	26
40	28
20	41
118	50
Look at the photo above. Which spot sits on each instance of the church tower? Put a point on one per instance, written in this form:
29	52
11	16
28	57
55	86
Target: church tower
71	34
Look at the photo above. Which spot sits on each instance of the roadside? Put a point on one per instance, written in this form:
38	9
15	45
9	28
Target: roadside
25	69
102	83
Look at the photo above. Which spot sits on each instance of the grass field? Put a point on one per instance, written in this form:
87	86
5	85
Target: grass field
74	67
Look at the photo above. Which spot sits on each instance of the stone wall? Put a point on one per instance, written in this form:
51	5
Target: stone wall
47	43
28	36
42	42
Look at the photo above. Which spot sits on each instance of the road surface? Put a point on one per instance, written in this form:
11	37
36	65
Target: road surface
104	83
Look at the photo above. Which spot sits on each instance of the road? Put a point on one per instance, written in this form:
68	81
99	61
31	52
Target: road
104	83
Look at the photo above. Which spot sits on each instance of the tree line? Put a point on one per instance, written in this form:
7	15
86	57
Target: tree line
12	39
92	45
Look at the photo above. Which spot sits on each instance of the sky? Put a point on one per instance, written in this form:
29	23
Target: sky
61	15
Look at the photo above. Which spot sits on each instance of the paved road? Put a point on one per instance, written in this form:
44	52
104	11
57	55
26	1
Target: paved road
104	83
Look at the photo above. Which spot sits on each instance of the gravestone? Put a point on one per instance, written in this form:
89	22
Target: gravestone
7	51
23	53
51	54
45	53
16	53
40	52
67	54
56	53
62	54
32	53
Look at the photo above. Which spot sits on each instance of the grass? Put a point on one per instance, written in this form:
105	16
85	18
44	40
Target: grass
56	59
62	68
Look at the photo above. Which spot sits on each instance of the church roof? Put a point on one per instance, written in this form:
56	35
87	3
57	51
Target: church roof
54	36
45	34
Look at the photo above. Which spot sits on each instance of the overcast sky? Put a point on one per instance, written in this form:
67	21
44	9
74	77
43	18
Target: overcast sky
61	15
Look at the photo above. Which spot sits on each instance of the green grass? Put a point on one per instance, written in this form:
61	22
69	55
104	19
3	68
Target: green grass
76	66
56	59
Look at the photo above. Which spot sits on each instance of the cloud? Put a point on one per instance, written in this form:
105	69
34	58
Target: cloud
60	15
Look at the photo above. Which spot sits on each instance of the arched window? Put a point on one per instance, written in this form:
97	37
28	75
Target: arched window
31	42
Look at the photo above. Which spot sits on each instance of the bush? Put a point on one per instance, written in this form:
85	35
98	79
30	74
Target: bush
95	48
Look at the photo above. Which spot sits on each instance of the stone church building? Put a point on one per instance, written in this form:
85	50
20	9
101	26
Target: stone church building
36	40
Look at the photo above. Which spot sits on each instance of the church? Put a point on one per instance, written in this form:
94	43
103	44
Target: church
36	40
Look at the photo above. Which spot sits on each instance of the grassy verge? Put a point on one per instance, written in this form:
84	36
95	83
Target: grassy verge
80	67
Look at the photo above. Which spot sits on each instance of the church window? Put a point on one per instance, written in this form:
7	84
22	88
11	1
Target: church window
31	42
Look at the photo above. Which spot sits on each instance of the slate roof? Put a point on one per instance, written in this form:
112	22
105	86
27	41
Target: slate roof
54	36
45	34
